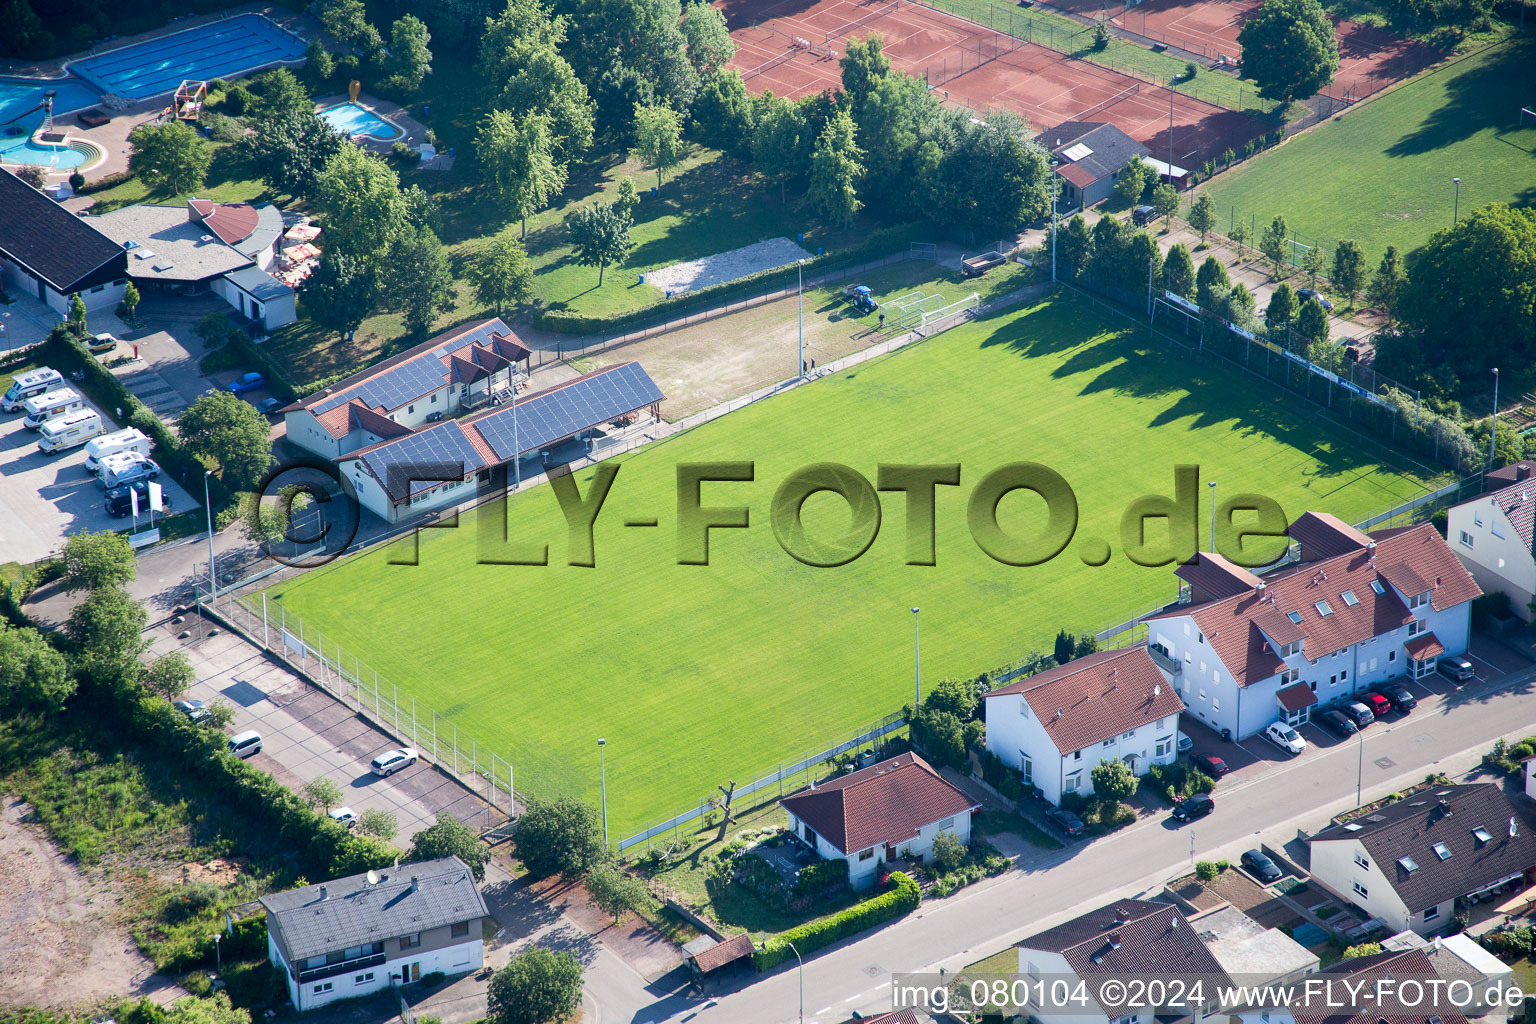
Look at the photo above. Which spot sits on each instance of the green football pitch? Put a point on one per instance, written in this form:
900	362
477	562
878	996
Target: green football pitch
1381	174
698	674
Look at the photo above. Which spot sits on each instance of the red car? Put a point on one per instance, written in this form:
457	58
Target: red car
1212	765
1378	704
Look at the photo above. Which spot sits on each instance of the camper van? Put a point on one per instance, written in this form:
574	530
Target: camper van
125	468
131	440
68	431
50	405
30	385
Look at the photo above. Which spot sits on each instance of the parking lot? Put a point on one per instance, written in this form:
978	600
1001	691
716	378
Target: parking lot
44	498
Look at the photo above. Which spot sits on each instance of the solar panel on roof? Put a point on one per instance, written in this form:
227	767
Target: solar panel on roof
584	403
410	380
414	458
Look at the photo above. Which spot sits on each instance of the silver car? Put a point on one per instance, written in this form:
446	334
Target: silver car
391	761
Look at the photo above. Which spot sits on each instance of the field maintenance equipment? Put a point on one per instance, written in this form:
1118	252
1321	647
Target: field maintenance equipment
863	300
975	266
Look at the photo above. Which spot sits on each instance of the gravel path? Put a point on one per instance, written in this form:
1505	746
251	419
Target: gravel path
726	266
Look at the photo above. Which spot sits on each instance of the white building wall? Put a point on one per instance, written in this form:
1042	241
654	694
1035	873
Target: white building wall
305	431
462	958
1015	736
864	865
1491	549
1334	864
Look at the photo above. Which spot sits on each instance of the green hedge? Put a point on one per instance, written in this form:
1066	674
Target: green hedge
879	243
821	876
900	898
64	353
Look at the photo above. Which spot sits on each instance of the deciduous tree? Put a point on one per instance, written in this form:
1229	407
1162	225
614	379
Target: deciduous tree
1272	244
410	59
1202	214
1114	780
1281	309
1312	262
1132	180
1348	268
288	151
836	167
450	837
340	293
169	675
222	428
536	987
500	273
418	280
1179	271
33	675
281	95
95	560
1387	283
563	837
864	64
780	143
723	113
378	823
519	156
710	47
1289	49
613	890
1165	200
658	137
1211	276
107	630
358	196
322	794
169	158
1311	324
600	235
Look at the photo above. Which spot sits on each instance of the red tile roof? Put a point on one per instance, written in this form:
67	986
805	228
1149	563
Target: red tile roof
1422	648
722	953
1097	696
1367	971
1294	698
1518	503
233	223
1212	576
1077	175
884	803
1129	937
1413	559
1323	535
359	415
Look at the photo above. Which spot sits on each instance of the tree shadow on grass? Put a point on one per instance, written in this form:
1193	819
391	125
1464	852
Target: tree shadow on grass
1478	98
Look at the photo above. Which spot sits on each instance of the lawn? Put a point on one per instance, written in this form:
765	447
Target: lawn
1381	173
696	675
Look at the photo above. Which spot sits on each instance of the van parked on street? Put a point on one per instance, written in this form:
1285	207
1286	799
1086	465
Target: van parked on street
244	744
125	468
68	431
30	385
50	405
131	440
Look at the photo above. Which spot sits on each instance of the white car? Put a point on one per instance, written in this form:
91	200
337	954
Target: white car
391	761
1284	737
345	815
1185	744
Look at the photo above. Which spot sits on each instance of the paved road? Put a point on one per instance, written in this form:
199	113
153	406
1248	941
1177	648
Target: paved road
1446	733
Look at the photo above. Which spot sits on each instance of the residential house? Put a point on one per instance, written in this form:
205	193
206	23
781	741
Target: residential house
1494	535
447	463
202	246
48	253
1248	950
1126	938
1350	611
1408	863
1089	156
1357	981
357	935
891	810
1054	727
1459	958
454	373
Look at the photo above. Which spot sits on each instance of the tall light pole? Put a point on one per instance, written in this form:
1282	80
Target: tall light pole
602	764
1212	485
213	576
800	310
802	978
1360	771
1493	425
1055	201
1456	206
917	660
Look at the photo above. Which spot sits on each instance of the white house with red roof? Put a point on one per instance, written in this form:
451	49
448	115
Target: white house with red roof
1352	611
1055	727
1494	535
888	811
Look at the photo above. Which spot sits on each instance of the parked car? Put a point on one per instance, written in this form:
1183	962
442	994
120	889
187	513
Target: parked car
195	710
345	815
1308	293
1284	737
246	382
245	744
1336	722
1378	704
102	343
391	761
119	504
269	406
1358	713
1400	697
1195	806
1457	668
1069	823
1212	765
1266	869
1185	744
1143	215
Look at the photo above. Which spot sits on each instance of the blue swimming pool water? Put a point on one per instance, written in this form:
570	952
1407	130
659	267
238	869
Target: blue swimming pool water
18	95
216	50
355	119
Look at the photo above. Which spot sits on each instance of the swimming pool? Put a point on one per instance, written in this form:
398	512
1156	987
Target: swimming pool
216	50
356	119
19	94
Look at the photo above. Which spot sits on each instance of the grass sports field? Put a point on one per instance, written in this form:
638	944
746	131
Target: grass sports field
699	674
1381	174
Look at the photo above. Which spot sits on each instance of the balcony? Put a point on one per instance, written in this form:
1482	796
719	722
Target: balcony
340	967
1172	666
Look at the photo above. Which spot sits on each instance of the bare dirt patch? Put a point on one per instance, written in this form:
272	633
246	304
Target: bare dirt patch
726	266
64	945
221	871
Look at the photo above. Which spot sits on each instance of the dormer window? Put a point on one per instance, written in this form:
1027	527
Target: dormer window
1349	598
1294	617
1419	600
1323	609
1442	851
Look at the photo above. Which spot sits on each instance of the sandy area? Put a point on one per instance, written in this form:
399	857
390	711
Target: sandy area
63	947
726	266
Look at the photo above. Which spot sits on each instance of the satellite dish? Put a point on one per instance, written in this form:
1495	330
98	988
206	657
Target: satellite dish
373	877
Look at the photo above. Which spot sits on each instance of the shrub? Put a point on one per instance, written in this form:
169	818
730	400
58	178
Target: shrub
822	877
1223	865
1510	943
901	898
1190	70
1101	37
403	152
76	181
435	978
1207	871
948	852
1011	786
238	99
218	85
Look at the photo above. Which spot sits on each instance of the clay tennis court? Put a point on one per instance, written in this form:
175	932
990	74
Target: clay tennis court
1369	58
791	47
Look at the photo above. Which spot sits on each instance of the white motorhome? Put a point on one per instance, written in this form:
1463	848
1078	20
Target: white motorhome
131	440
125	468
50	406
68	431
29	385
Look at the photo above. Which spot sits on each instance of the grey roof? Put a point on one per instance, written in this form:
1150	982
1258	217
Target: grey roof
269	228
184	250
1416	826
354	912
258	283
1112	148
1244	947
58	246
1129	937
